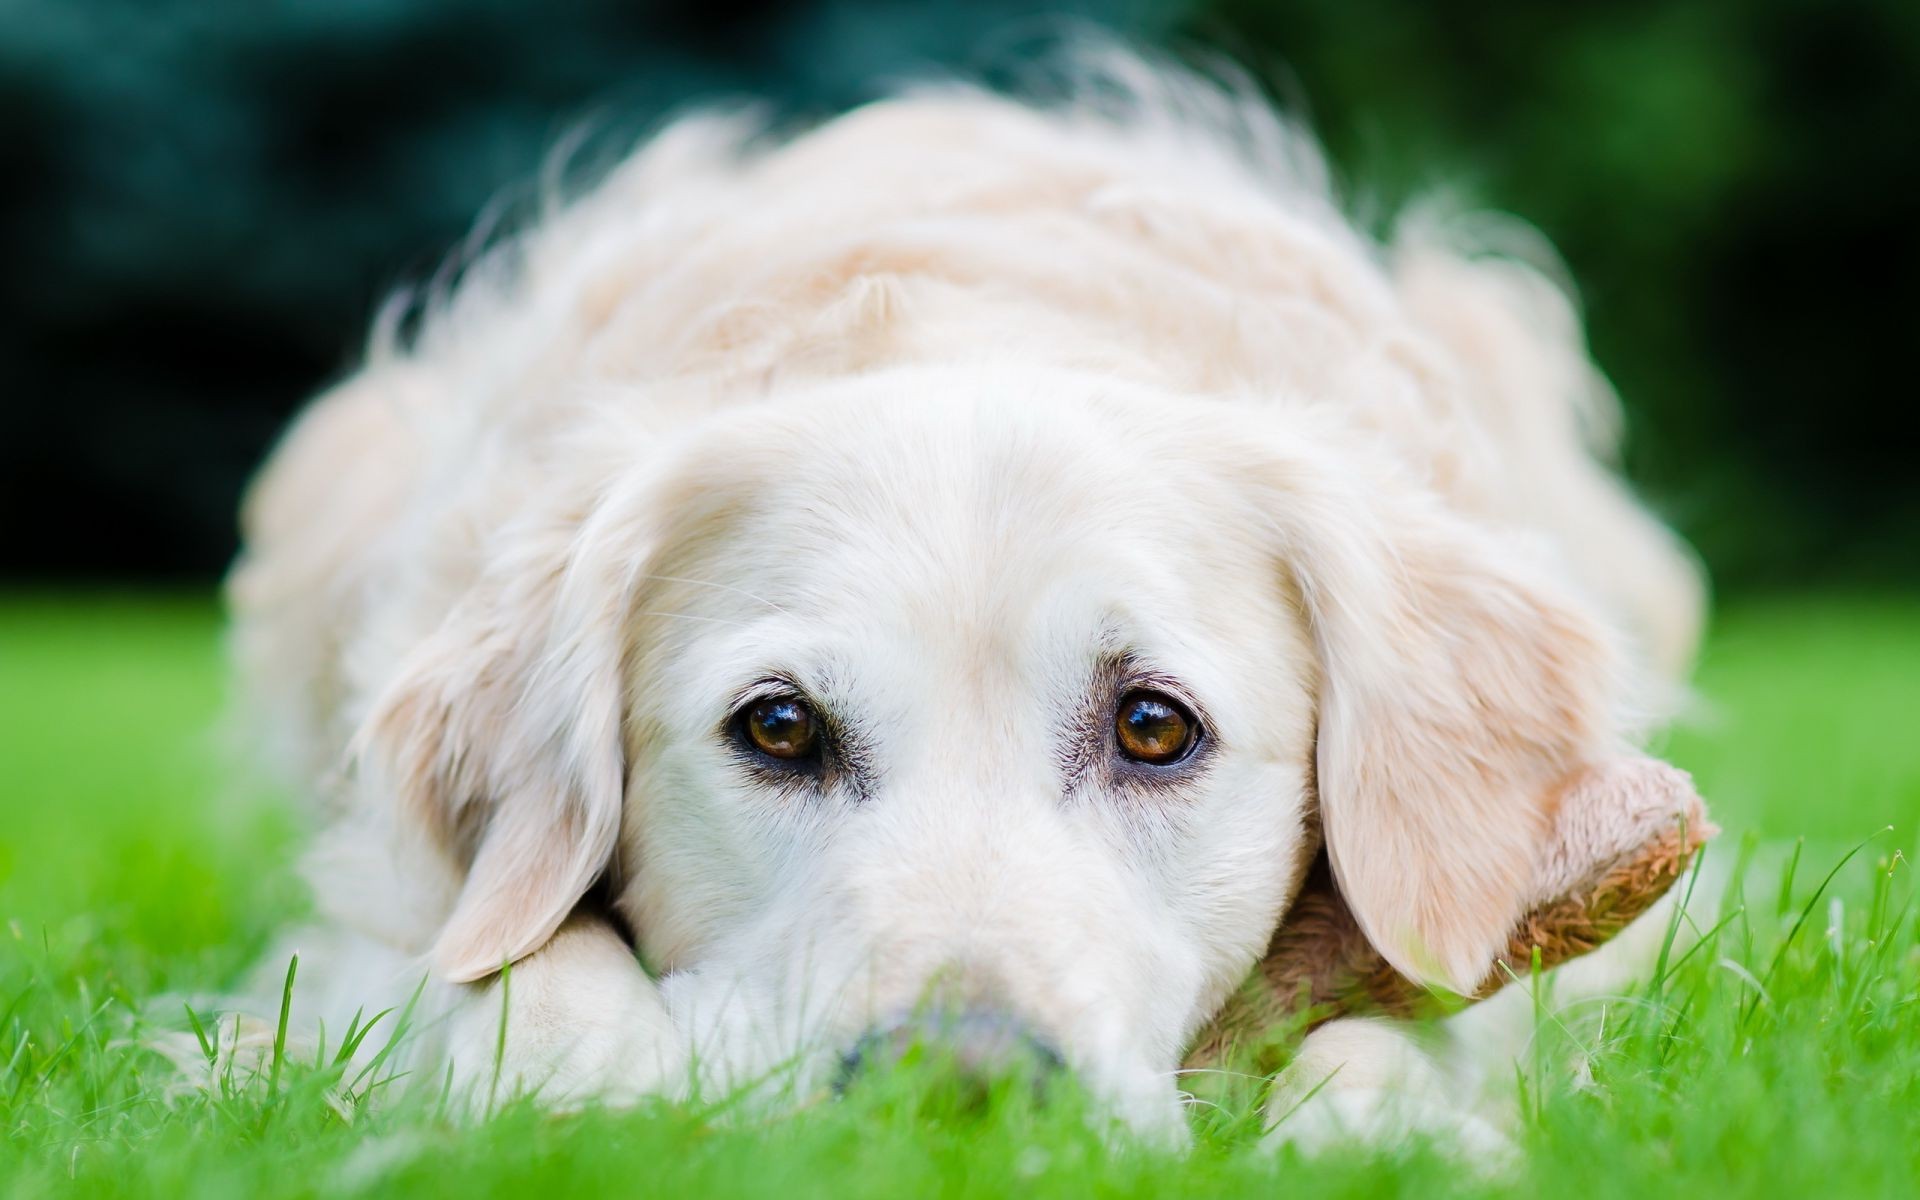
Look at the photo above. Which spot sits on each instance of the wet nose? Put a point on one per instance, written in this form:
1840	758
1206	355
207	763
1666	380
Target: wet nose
976	1048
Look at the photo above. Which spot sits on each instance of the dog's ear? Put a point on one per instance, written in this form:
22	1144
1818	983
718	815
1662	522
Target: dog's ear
501	738
1460	692
1622	835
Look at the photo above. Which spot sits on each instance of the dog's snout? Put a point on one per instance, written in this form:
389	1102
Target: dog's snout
978	1049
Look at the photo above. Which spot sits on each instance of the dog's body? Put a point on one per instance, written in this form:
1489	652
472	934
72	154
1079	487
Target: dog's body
961	423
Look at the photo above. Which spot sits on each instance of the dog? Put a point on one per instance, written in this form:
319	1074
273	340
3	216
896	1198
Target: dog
947	575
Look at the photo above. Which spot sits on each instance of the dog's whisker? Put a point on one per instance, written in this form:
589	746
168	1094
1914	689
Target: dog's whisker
1184	1071
681	616
723	587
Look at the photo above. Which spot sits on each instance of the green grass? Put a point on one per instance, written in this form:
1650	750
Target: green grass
130	865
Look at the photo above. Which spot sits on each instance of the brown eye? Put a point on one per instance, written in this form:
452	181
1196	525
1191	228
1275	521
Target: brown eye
780	727
1153	728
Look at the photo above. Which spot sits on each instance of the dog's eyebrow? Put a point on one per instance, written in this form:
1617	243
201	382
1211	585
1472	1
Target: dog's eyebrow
771	684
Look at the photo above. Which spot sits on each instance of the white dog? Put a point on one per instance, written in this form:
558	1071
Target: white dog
967	559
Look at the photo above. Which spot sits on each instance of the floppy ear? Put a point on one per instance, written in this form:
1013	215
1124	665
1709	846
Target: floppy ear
1460	692
501	737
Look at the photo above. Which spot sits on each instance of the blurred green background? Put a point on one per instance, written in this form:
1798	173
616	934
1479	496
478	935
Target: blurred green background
206	201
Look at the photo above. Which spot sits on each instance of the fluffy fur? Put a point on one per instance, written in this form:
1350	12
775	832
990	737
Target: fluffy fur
958	414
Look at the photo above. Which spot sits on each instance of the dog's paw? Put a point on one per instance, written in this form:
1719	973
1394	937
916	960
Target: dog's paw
575	1023
1367	1084
1385	1118
229	1052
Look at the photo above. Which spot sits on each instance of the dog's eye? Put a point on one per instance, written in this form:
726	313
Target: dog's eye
1154	728
781	727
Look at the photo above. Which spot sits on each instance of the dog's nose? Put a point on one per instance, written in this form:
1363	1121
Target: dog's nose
975	1048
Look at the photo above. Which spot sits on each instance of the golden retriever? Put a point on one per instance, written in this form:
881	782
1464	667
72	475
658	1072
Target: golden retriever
968	559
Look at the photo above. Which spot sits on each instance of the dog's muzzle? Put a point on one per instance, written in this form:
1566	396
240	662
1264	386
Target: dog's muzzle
976	1049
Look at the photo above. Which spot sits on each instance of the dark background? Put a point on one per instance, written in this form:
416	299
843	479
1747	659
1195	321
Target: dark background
204	201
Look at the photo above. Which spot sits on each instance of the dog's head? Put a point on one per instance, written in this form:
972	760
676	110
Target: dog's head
1010	694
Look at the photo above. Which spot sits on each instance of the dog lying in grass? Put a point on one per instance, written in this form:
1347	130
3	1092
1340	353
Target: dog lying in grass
1031	578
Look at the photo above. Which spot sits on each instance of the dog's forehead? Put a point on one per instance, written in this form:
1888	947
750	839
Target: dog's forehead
979	493
996	522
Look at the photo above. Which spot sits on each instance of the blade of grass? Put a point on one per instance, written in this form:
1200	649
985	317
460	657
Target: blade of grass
357	1034
1784	905
280	1031
1806	911
1678	914
207	1049
500	1038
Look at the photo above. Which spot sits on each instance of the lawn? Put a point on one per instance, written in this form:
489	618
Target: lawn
1781	1058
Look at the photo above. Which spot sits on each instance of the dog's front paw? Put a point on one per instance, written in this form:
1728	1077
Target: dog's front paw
1367	1083
576	1022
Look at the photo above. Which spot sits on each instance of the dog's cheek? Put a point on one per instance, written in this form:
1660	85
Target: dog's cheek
692	864
1247	849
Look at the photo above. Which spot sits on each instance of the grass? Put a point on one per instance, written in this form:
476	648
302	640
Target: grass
1781	1058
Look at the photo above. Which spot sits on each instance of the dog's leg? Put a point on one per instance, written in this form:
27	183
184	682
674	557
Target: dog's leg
577	1021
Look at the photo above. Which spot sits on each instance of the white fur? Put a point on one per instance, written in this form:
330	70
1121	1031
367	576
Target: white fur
934	411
